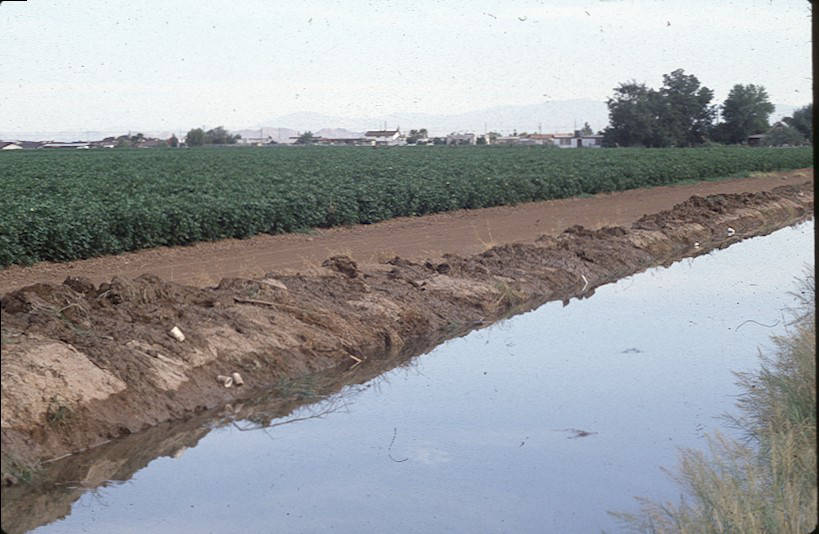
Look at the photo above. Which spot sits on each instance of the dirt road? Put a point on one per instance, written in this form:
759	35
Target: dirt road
461	232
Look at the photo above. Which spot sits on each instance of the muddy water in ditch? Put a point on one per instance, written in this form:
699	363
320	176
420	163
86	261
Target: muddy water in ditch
541	423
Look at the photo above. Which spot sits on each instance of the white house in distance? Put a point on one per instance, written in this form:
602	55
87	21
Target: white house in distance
541	139
75	145
578	141
255	141
384	137
10	145
561	140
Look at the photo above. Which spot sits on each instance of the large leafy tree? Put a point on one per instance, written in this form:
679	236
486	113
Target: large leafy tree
802	120
686	115
744	112
632	115
678	114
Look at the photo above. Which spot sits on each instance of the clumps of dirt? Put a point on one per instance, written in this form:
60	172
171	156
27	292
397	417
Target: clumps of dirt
103	360
706	210
342	264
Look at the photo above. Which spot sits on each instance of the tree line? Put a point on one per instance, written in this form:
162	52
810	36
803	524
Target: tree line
681	114
214	136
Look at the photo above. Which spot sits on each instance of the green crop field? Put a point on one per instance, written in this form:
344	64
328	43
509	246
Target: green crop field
66	205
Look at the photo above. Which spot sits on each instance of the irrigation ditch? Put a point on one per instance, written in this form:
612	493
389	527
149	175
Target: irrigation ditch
95	368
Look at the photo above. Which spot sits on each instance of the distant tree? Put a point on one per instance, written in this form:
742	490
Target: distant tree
416	135
745	112
802	120
173	142
220	136
783	135
480	140
195	137
307	138
586	130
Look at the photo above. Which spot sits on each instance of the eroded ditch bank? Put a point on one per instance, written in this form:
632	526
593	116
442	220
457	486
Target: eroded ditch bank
83	365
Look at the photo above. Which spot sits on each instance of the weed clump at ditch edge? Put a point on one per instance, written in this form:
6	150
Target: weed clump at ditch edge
58	413
766	483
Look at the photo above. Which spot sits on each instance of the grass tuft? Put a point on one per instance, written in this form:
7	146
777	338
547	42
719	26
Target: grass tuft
766	482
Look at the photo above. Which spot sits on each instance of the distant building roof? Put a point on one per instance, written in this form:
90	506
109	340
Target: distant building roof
66	145
381	133
30	144
6	145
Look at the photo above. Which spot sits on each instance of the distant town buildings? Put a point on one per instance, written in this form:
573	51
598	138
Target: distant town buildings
385	137
372	138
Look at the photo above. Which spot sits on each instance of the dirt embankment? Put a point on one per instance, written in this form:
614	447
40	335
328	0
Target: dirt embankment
57	485
83	364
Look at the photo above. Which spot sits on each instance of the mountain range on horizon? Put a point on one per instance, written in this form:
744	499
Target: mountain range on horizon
547	117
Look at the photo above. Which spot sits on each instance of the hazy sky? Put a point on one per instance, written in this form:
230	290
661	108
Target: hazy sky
107	64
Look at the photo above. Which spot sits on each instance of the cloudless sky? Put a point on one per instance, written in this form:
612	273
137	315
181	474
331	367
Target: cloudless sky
106	64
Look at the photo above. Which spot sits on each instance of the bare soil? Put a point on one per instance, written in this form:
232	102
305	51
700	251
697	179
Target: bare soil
462	232
84	363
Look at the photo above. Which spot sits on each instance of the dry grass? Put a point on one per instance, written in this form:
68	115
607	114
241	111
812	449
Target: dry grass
488	243
768	482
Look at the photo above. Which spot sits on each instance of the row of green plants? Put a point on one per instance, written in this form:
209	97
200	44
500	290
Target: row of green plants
60	206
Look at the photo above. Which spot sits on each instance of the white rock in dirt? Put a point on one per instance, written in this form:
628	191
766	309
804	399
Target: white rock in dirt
177	333
696	244
731	231
272	282
237	379
226	381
